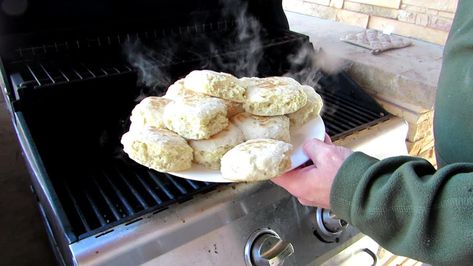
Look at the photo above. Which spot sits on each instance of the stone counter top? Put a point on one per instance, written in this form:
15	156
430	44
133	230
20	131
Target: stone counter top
405	77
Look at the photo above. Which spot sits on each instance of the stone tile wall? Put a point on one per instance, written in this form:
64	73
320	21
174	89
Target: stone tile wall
422	19
420	136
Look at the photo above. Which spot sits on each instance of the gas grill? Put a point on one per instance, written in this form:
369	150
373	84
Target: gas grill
71	79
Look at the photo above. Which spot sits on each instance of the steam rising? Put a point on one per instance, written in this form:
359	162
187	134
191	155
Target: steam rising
304	67
238	52
308	65
249	33
148	64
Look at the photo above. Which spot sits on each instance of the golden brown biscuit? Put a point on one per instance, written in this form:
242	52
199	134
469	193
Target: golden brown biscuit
309	111
148	113
177	92
273	96
196	118
263	127
159	149
256	160
217	84
208	152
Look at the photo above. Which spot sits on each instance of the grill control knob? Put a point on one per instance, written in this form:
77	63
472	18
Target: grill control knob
329	227
265	247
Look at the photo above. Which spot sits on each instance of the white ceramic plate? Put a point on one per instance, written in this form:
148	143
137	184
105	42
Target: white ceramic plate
313	129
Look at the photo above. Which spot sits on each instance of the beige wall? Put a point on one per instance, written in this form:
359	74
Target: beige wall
421	19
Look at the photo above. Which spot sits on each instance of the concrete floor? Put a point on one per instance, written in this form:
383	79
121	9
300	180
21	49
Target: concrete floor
23	240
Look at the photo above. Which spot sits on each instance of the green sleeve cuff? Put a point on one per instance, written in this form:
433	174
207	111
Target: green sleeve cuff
346	181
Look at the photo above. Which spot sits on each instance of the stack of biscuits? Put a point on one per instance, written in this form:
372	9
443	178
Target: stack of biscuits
240	126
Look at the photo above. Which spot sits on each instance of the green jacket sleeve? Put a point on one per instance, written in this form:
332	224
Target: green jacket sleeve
408	207
403	203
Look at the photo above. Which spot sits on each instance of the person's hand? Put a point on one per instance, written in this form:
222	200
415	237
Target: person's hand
312	184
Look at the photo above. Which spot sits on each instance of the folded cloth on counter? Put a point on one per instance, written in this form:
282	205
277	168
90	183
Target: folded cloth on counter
376	41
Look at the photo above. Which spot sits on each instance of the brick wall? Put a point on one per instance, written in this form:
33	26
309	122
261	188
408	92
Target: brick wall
422	19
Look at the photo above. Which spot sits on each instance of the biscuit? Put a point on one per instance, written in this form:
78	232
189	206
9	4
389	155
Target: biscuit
233	108
208	152
196	118
149	112
256	160
263	127
273	96
177	92
217	84
309	111
159	149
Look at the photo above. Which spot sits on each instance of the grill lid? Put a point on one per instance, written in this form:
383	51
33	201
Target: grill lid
29	22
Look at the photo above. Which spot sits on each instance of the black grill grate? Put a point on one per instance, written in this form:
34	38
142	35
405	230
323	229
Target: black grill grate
34	74
342	115
121	192
118	39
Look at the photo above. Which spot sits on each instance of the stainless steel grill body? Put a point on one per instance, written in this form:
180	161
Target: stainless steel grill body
212	229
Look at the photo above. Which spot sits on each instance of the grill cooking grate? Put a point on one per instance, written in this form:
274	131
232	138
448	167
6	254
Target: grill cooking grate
34	73
118	39
343	116
120	193
37	75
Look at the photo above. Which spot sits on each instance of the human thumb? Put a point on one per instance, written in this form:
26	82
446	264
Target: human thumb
313	148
